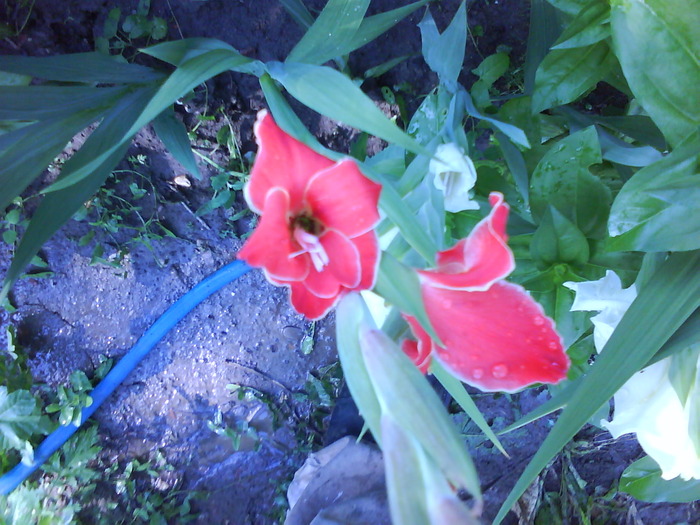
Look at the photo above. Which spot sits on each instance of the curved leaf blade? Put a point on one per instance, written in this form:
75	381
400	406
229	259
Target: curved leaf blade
658	45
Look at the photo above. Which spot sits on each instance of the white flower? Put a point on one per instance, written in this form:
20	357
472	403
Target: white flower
647	404
607	297
455	175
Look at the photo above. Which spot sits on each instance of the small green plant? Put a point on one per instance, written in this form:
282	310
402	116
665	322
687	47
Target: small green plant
71	401
140	491
124	36
230	177
16	17
123	214
240	430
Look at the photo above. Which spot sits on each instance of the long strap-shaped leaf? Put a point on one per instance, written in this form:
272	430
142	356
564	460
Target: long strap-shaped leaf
186	77
329	35
659	310
42	102
331	93
25	152
80	67
59	206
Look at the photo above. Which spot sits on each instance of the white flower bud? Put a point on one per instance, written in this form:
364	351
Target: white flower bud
455	175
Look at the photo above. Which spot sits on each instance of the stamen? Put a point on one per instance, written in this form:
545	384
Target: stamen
310	244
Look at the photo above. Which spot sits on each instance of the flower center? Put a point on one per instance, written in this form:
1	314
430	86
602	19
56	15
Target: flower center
306	231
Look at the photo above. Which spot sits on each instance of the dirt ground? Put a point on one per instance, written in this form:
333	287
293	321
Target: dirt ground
246	334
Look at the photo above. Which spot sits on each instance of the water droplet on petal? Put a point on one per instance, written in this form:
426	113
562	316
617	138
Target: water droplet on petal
499	371
538	320
553	345
478	373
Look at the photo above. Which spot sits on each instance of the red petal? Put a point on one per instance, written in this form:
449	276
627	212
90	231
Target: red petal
283	162
271	244
413	351
418	351
368	247
481	259
343	267
308	304
342	198
495	340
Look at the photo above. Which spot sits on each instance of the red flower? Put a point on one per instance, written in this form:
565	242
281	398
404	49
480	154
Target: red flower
316	231
496	337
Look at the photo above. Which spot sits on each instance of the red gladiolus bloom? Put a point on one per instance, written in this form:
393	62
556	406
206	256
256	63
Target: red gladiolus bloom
496	337
316	234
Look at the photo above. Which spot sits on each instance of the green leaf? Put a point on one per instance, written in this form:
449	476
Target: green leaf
687	335
459	394
186	77
615	149
444	53
656	210
375	25
512	132
111	23
80	67
399	285
516	164
664	304
657	44
404	479
179	52
558	240
563	180
59	206
44	102
642	480
351	317
298	12
492	68
12	79
172	132
25	152
405	394
20	418
284	115
330	93
429	119
682	372
566	74
331	33
545	28
590	25
571	7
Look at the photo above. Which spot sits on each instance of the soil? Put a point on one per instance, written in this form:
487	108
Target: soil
246	334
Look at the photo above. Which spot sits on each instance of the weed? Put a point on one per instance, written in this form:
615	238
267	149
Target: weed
230	177
71	401
124	214
77	485
16	17
241	430
572	502
124	37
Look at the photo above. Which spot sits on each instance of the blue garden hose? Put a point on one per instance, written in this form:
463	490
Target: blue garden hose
123	368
